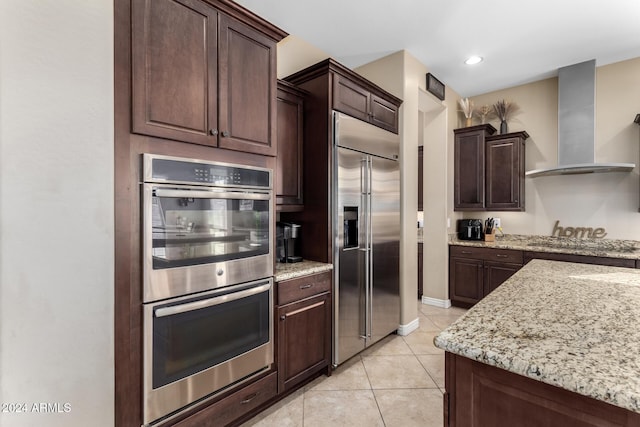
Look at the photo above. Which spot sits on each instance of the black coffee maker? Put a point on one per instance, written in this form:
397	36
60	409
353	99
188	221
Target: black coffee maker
470	229
288	242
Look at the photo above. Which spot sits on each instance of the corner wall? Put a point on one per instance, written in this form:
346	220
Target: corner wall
56	213
404	76
390	74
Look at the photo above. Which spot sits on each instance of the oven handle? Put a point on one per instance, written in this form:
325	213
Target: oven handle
201	194
196	305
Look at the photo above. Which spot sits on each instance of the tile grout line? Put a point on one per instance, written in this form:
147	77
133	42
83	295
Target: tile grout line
375	399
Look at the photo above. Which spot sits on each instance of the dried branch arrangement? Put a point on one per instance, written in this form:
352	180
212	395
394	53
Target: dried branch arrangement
485	113
466	107
505	109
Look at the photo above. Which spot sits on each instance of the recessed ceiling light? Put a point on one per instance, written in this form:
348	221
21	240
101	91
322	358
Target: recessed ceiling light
472	60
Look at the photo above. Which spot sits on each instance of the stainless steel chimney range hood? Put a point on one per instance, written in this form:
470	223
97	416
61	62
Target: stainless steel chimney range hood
576	124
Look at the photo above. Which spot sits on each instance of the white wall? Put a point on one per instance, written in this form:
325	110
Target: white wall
56	212
295	54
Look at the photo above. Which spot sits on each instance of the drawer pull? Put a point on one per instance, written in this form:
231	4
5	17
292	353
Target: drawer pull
502	256
249	398
466	252
306	286
300	310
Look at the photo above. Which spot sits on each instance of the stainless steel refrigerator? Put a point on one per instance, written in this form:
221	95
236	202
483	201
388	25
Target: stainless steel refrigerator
366	218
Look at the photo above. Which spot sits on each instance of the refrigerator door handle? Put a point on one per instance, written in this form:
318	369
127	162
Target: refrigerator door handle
365	187
369	248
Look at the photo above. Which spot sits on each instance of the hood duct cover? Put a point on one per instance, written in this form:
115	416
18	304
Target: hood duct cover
576	124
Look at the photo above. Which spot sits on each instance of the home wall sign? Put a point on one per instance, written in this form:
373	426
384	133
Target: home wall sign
579	232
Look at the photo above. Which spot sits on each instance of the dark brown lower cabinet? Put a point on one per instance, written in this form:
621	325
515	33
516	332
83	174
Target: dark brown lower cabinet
475	272
304	329
465	281
496	273
482	395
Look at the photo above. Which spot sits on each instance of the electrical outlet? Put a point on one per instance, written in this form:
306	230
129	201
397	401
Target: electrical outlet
496	223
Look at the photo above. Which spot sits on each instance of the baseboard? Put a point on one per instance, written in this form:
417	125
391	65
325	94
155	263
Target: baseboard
409	327
442	303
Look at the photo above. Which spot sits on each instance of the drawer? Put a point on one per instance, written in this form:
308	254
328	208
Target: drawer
487	254
303	287
235	405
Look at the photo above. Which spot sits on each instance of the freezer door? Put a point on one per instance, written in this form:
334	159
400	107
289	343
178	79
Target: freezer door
350	253
385	247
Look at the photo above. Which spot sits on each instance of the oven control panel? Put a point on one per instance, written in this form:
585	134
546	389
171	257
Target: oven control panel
165	169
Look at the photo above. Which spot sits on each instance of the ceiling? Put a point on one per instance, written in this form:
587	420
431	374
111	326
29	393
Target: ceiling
520	42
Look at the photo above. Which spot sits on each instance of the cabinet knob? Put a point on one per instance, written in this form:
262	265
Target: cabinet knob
213	132
225	133
283	317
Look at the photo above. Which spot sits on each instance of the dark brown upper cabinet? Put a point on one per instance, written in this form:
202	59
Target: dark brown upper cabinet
469	163
289	173
505	172
360	100
488	169
203	77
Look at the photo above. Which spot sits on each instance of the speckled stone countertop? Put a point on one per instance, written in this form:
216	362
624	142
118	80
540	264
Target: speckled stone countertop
574	326
629	249
299	269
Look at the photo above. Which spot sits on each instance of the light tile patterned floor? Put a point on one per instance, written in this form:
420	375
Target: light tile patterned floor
397	382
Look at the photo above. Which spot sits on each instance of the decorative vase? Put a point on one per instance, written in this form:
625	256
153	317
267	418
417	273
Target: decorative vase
503	127
469	121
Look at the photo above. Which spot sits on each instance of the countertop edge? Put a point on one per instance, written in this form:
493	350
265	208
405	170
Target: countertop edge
528	244
299	269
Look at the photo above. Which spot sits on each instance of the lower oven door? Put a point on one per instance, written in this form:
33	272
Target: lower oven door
195	346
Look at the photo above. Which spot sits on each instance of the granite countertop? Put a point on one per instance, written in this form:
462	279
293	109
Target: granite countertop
574	326
299	269
629	249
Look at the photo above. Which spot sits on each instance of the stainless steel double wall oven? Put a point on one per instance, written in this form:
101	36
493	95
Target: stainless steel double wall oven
207	279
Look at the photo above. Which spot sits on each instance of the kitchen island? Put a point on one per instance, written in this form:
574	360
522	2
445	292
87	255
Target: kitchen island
558	344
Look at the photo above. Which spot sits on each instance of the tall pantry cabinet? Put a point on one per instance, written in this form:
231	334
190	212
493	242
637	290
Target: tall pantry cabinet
194	79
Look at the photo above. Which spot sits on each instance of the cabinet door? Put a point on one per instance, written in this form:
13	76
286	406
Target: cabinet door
290	111
247	89
304	339
384	114
496	273
465	281
350	98
503	179
469	171
174	76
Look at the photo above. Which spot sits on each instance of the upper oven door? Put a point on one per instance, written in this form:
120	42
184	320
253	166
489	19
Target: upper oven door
200	238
